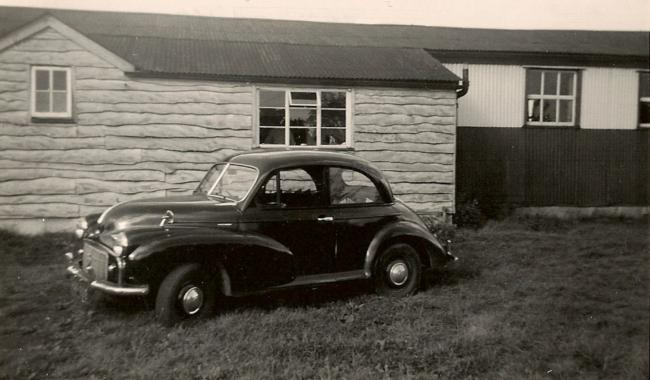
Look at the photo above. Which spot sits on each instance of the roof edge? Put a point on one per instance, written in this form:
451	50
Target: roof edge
279	80
540	58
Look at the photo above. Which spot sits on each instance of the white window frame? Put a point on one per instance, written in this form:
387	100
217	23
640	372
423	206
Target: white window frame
554	97
642	99
68	113
287	129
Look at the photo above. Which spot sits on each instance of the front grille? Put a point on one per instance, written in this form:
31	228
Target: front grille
95	261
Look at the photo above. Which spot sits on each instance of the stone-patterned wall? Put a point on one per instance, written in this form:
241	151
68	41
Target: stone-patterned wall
411	136
131	137
134	137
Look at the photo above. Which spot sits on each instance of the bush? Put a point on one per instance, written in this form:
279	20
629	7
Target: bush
468	215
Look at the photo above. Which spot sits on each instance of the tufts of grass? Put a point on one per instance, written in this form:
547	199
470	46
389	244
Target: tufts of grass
529	298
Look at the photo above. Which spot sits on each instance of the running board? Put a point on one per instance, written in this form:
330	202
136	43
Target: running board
327	278
310	280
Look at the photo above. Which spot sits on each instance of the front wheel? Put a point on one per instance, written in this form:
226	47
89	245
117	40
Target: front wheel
397	271
186	293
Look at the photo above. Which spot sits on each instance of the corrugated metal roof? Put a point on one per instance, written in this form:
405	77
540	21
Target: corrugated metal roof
336	34
264	47
223	58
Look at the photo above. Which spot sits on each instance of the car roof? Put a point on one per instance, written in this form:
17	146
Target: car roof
266	160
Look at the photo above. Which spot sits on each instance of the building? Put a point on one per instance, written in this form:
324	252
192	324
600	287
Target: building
97	108
100	107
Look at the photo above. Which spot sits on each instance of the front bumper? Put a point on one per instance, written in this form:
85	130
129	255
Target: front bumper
105	286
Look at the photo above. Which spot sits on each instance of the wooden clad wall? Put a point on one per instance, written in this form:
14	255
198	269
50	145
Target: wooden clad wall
131	138
134	138
411	136
553	167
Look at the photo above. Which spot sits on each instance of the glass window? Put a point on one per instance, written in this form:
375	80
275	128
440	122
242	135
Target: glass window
51	93
551	97
351	187
295	188
644	99
229	182
303	117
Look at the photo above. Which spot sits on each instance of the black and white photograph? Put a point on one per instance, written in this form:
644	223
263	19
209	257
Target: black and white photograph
298	189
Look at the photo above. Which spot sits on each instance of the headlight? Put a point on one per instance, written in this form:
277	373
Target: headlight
82	226
120	239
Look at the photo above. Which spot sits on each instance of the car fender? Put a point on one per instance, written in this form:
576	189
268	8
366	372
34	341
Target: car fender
238	257
403	229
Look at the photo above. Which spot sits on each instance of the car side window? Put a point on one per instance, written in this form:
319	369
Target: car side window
349	186
294	188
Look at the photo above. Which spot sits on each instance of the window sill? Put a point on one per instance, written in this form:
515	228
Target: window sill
549	126
52	120
306	147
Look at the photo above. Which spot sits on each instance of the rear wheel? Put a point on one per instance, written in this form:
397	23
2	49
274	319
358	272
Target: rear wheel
397	271
186	293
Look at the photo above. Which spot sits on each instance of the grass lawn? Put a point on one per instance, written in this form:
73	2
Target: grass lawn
534	299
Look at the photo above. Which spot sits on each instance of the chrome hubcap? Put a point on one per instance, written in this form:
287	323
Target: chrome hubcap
398	272
191	299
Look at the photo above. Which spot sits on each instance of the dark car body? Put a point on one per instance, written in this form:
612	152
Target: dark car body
264	238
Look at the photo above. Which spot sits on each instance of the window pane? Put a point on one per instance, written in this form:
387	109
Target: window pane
332	99
303	136
533	109
644	89
333	119
59	80
42	80
298	188
302	117
235	182
271	117
644	114
566	83
42	101
550	82
351	187
549	111
271	98
566	110
303	98
271	136
332	136
59	100
533	81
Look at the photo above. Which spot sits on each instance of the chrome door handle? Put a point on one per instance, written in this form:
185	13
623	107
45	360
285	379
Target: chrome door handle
325	219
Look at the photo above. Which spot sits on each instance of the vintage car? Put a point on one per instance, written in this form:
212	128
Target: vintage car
259	221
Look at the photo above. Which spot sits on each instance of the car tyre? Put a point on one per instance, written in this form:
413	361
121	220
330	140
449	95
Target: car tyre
187	292
397	271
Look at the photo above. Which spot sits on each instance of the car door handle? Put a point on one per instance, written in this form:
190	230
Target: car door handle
325	219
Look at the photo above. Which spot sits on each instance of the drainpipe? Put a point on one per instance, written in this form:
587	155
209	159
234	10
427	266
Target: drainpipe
463	84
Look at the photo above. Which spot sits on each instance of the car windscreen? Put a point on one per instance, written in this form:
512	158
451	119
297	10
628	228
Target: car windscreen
228	181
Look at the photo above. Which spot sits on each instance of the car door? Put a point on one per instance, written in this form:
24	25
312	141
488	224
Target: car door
359	212
291	207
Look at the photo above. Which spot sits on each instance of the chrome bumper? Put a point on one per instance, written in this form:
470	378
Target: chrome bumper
105	286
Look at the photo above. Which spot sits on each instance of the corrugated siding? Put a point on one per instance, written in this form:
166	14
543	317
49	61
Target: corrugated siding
609	98
553	167
495	98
